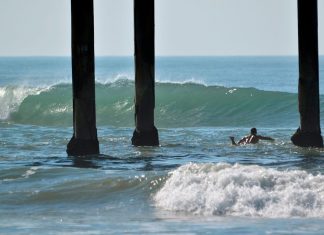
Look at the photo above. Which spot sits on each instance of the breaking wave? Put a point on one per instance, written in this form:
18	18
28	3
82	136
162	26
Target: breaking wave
185	104
237	190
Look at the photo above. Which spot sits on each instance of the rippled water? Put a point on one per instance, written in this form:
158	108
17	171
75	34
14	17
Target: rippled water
196	182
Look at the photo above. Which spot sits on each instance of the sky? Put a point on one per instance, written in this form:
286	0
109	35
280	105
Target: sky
182	27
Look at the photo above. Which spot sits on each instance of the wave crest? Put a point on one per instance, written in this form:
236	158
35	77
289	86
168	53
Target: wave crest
11	97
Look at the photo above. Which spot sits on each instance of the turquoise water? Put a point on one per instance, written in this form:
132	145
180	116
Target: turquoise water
194	183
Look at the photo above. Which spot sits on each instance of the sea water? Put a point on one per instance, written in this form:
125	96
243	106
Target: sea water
195	182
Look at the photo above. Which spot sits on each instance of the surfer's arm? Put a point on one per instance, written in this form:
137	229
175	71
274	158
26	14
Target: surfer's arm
265	138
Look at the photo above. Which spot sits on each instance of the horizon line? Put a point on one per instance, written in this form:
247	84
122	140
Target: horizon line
256	55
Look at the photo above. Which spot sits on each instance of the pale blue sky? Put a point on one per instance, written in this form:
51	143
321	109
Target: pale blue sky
183	27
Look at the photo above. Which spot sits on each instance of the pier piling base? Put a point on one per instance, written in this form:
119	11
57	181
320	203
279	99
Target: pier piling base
145	138
305	139
77	147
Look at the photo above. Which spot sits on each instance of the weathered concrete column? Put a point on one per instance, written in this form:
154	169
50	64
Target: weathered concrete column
309	132
145	133
84	140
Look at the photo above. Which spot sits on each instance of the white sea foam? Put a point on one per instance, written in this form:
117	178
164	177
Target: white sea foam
117	79
60	109
238	190
30	172
183	82
124	78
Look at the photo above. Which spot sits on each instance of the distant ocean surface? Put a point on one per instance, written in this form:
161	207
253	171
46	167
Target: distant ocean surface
196	182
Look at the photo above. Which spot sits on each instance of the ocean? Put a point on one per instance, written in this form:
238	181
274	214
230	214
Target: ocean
195	182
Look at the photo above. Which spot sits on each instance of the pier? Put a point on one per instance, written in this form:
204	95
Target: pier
309	132
145	133
85	141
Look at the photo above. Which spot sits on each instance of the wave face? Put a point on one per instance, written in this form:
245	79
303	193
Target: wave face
238	190
177	105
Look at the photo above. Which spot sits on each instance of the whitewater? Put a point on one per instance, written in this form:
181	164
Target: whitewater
195	182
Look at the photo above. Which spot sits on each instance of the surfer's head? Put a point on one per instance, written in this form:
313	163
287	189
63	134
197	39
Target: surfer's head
253	131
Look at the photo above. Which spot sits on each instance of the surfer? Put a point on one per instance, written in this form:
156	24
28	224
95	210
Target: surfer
253	138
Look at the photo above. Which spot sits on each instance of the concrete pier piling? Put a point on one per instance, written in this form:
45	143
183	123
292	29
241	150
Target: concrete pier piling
145	133
309	132
84	140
